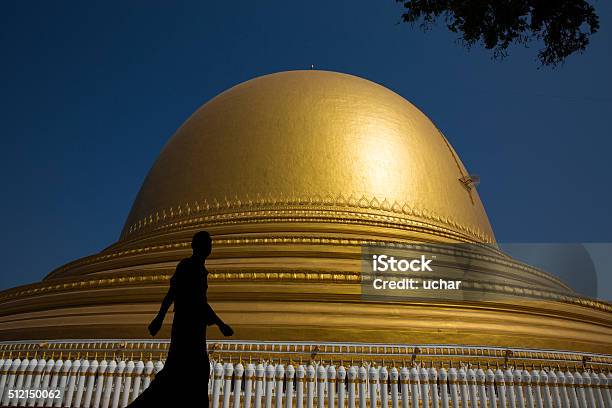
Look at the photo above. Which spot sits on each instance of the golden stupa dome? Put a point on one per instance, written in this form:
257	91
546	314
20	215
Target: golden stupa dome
312	137
296	175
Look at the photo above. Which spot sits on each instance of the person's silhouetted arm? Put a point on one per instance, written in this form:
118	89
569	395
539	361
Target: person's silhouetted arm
157	322
213	318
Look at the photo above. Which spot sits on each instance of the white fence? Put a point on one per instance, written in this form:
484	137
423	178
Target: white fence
103	384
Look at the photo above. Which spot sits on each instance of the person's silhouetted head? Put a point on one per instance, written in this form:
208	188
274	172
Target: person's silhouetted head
201	243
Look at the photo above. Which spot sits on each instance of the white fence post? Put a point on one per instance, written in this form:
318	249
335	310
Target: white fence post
331	386
310	379
471	378
604	388
341	386
405	383
414	387
518	388
373	377
480	386
228	372
384	388
526	376
249	377
453	377
289	387
394	387
536	390
352	380
579	382
500	379
300	377
556	385
362	386
321	378
443	383
259	375
509	380
571	390
269	385
238	371
597	397
280	379
433	387
464	393
545	388
424	382
562	382
490	379
217	379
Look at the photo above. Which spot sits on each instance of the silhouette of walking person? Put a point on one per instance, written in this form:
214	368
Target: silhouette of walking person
184	379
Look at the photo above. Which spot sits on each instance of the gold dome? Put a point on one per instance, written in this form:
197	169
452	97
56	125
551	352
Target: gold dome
293	174
311	137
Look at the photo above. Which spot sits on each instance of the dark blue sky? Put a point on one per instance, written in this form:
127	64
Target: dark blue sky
90	92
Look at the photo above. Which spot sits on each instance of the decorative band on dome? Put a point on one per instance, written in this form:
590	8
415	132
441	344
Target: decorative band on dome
357	205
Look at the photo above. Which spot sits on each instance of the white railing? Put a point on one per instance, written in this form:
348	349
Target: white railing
87	383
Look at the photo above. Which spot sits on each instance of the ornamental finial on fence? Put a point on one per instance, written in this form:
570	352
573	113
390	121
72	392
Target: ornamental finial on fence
215	347
414	355
585	360
315	351
507	356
